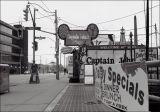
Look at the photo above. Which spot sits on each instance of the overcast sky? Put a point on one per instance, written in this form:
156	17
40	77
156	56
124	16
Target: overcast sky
78	15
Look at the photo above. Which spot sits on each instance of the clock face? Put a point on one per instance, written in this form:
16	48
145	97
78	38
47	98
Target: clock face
93	31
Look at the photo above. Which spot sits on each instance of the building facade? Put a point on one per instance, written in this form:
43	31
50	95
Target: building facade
14	47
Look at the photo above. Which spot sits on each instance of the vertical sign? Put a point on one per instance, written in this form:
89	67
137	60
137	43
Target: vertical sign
88	79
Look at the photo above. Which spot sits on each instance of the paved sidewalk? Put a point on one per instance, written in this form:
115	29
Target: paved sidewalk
80	98
25	97
54	95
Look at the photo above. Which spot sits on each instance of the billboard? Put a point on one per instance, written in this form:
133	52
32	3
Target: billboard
123	86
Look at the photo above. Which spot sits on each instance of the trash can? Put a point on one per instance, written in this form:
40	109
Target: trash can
4	78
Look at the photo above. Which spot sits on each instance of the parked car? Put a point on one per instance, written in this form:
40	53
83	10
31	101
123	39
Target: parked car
27	72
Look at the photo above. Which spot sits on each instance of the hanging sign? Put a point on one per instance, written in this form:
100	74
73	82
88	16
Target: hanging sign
66	50
77	37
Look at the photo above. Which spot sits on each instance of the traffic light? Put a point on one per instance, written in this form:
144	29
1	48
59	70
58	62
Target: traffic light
26	13
36	45
20	32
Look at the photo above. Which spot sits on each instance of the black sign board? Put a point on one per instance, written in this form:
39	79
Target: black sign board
78	37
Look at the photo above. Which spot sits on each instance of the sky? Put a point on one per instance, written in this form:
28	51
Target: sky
107	15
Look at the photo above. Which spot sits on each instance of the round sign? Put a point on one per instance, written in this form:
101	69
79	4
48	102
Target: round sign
93	30
63	30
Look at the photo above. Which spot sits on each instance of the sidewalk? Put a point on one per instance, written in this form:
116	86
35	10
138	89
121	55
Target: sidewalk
25	97
50	95
80	98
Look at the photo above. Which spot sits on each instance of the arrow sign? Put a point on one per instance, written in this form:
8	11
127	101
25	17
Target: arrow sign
40	38
31	28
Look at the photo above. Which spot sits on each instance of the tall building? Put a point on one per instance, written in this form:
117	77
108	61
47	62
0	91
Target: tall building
14	47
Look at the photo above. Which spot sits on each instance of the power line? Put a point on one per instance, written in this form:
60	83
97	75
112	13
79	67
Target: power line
46	7
70	23
31	19
112	19
125	16
126	30
47	11
40	7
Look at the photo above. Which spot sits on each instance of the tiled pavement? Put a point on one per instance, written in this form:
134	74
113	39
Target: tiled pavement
80	98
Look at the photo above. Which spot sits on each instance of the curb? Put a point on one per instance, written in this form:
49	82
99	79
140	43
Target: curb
51	106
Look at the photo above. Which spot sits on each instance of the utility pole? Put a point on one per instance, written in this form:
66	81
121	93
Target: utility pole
34	25
57	46
159	25
156	35
131	45
147	32
34	74
135	31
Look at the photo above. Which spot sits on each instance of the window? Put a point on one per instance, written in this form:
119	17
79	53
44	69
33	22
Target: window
5	48
5	29
5	39
6	57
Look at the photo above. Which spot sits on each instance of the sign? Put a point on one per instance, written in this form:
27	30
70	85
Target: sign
110	47
31	28
77	37
88	80
88	69
66	50
96	57
40	38
110	54
123	86
140	54
70	66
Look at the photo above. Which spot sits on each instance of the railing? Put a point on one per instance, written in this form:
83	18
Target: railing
154	84
153	69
